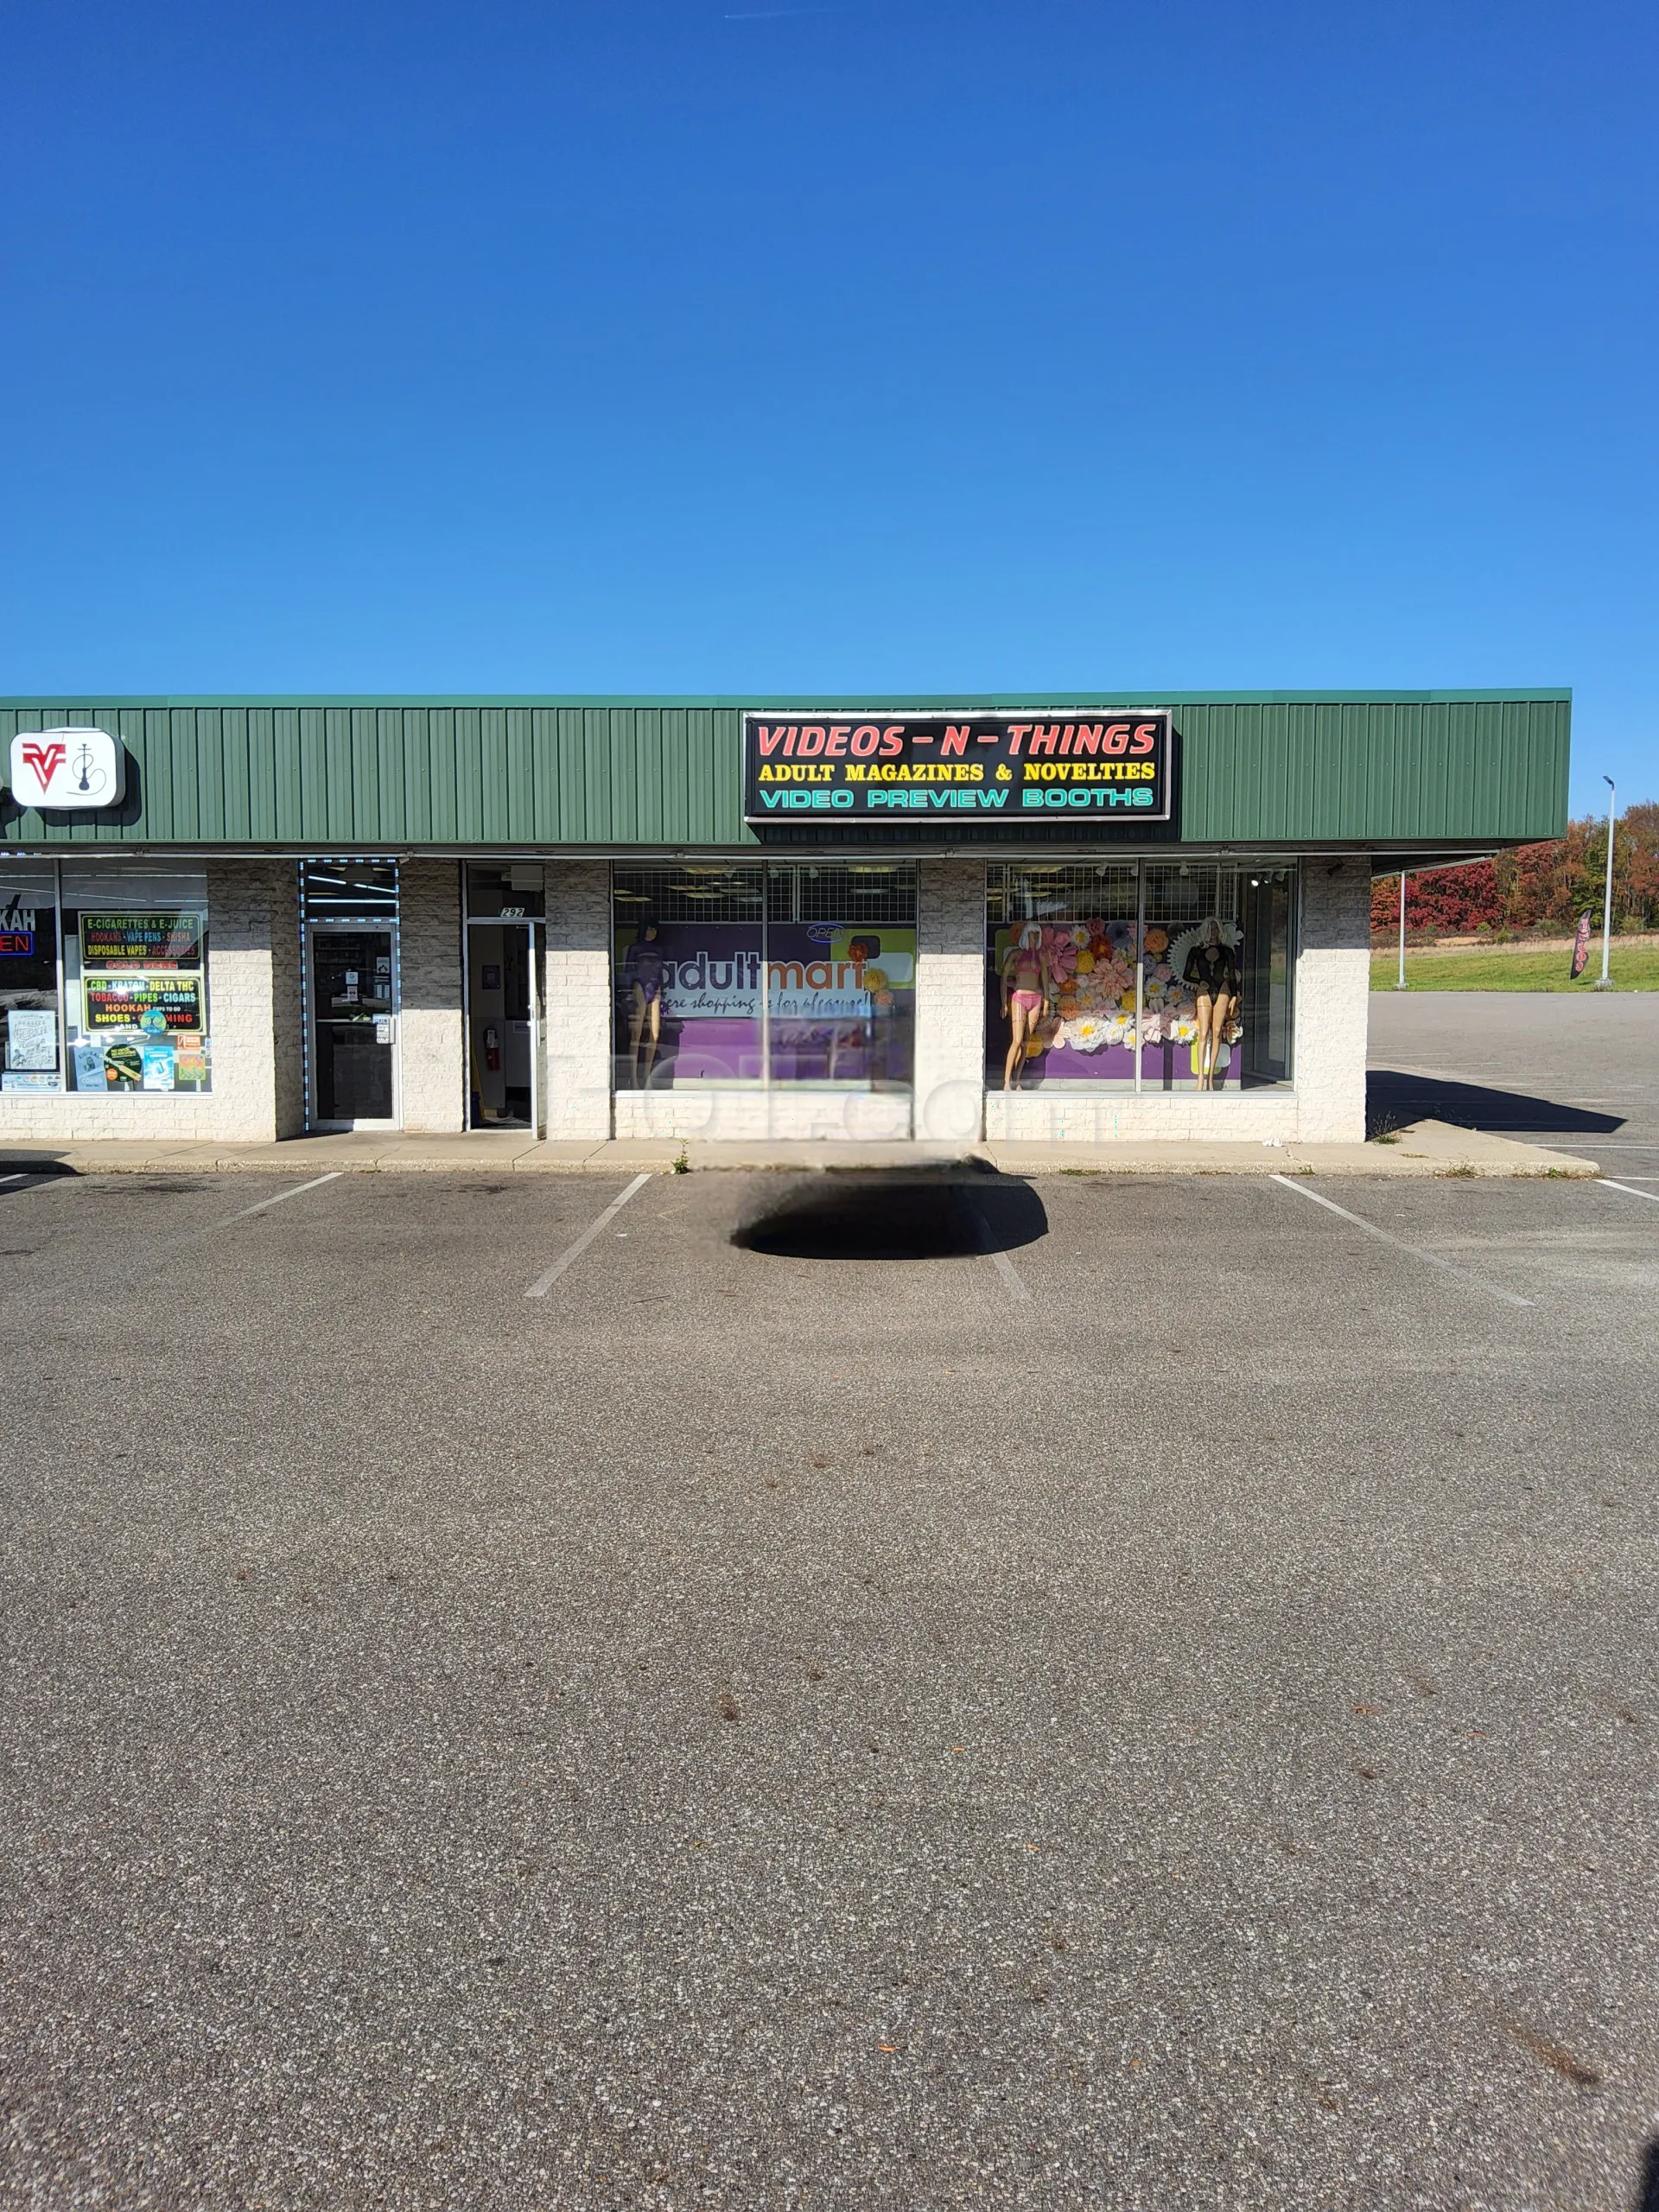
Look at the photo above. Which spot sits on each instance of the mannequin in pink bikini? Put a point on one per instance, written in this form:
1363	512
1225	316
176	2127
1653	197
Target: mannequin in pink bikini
1022	994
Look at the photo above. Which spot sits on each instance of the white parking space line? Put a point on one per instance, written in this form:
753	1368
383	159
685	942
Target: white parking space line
1608	1184
543	1284
1386	1236
15	1178
1012	1281
264	1204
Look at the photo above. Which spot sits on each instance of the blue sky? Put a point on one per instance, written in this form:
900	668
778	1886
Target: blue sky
745	347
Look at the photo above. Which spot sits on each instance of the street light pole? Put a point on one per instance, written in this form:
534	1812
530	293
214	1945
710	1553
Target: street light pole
1401	985
1604	984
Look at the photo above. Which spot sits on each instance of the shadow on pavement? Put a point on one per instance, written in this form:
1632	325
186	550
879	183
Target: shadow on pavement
897	1217
1393	1099
14	1181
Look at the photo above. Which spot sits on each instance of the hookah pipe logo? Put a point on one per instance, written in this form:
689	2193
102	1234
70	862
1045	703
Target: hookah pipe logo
88	776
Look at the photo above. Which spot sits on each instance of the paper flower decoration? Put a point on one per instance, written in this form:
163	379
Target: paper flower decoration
1060	954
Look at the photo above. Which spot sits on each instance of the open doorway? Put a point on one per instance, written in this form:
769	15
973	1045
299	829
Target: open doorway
503	997
501	1024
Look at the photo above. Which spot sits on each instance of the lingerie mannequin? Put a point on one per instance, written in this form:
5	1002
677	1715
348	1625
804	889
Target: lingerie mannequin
642	978
1022	994
1211	974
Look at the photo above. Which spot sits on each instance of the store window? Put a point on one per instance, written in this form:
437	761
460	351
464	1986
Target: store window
135	980
1123	976
765	977
31	1044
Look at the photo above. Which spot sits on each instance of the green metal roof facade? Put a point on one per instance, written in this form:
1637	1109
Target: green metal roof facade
1428	770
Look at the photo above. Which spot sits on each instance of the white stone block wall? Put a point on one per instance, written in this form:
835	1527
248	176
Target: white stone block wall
578	999
1334	986
949	999
755	1116
253	1020
288	995
431	1037
1153	1116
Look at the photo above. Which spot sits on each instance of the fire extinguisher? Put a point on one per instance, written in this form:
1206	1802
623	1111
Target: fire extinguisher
492	1048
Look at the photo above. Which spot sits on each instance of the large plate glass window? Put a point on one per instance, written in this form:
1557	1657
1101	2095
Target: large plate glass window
685	967
135	980
1061	945
31	1038
777	976
1169	976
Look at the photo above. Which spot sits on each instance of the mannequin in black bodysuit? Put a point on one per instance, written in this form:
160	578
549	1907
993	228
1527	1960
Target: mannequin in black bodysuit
1211	974
642	978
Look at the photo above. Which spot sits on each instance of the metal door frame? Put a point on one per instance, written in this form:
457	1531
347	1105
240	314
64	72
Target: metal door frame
344	925
535	945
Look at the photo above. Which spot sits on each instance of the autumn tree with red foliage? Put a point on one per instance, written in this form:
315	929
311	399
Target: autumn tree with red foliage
1535	887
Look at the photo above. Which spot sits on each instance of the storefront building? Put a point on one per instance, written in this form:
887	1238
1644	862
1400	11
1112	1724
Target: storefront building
1017	918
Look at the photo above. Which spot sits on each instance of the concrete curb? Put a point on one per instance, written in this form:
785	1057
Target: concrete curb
1427	1148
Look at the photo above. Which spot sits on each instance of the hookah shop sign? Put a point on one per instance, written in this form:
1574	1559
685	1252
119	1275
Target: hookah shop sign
1090	766
67	768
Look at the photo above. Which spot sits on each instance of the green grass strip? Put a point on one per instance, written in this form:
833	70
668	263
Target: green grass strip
1515	968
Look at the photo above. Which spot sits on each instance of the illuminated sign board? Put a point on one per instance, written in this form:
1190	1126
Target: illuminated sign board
1090	767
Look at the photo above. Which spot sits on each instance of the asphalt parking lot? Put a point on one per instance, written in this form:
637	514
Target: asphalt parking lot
1574	1069
1093	1692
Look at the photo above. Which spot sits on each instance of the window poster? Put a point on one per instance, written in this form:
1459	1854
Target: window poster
32	1039
124	1001
839	1003
159	1062
167	941
837	1000
689	1003
87	1058
190	1061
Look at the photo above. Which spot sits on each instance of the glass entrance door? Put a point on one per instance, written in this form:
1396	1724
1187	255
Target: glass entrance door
353	993
1267	975
503	1025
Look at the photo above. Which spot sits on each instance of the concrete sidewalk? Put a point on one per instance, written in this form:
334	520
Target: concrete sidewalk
1426	1148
